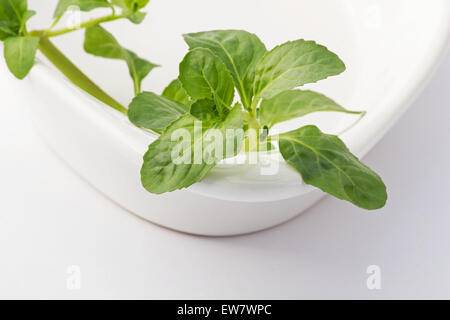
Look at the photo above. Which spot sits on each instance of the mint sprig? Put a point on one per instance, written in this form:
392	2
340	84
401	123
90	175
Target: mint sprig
222	61
199	111
102	43
21	45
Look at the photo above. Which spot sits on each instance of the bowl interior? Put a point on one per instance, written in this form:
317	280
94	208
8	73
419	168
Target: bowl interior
380	41
388	46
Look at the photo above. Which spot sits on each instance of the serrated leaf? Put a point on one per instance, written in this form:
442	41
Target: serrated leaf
13	16
204	110
294	64
204	76
20	53
83	5
326	163
101	43
13	10
176	92
294	104
239	50
172	163
154	112
7	29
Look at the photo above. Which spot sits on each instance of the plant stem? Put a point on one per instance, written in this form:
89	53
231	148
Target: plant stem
251	120
63	64
83	25
254	105
54	23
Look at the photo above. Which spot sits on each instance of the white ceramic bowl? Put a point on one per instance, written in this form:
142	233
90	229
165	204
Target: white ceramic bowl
390	48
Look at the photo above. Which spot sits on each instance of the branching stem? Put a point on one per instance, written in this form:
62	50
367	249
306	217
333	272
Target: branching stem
75	75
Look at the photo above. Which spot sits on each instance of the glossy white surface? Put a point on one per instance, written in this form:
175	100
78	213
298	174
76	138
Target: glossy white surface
50	219
379	40
376	39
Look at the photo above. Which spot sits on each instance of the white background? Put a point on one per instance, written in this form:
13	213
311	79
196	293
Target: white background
51	219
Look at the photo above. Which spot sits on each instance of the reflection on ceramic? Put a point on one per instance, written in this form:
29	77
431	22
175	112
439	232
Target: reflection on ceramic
389	47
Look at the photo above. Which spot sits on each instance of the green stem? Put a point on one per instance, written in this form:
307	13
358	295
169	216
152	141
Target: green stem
83	25
254	105
54	23
252	122
63	64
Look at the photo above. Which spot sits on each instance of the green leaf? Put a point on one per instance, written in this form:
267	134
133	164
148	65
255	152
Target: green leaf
176	92
136	17
26	16
7	30
130	9
294	64
139	68
294	104
204	110
239	50
13	10
326	163
150	111
13	16
101	43
20	53
204	76
84	5
173	163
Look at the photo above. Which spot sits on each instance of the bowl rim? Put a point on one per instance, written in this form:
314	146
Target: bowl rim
360	138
